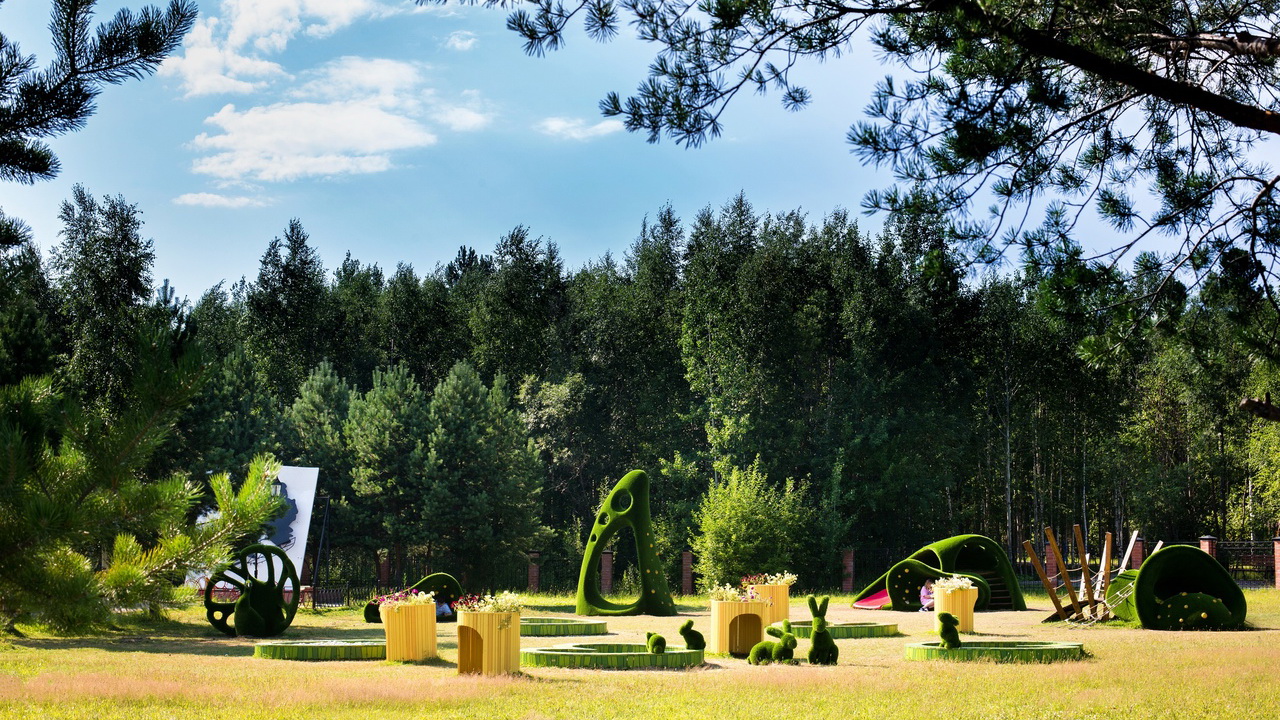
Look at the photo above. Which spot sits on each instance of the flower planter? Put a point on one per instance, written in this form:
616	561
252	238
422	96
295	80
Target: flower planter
736	626
779	596
959	603
488	642
411	631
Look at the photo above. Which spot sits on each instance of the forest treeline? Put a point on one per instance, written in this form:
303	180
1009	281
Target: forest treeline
868	384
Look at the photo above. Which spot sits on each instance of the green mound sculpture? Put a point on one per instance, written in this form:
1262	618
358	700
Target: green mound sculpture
444	585
626	506
1179	587
976	557
610	656
322	650
262	610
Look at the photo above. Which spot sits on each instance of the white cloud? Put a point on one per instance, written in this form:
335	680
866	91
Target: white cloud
224	53
214	200
461	40
578	129
388	83
461	119
287	141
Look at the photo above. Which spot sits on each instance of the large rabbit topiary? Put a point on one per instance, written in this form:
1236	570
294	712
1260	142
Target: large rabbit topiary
950	633
693	639
781	650
823	651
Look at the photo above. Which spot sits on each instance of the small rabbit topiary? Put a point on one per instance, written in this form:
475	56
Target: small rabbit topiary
949	633
693	639
823	651
656	643
782	650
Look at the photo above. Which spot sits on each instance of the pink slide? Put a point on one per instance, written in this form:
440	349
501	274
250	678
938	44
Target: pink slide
878	601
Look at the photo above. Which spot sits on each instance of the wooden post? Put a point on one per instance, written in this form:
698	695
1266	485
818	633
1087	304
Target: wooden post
1066	576
1105	568
686	572
534	571
1086	579
1048	586
606	572
846	580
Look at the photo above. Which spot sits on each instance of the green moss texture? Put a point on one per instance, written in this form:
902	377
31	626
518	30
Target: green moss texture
692	638
781	650
823	650
322	650
560	627
974	556
610	656
803	629
627	506
1180	587
997	651
262	610
949	635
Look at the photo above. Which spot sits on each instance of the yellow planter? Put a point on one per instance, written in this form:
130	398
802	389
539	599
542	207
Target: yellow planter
959	603
411	631
736	626
488	642
779	596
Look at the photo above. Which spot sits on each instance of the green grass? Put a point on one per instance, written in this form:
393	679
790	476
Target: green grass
183	668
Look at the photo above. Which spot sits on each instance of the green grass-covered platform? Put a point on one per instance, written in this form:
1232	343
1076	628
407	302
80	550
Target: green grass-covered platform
845	631
322	650
555	627
610	656
997	651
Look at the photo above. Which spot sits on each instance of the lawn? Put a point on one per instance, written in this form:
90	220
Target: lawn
181	668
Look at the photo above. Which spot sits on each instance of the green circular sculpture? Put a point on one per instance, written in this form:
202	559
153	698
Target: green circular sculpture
322	650
1180	587
262	610
446	587
997	651
557	627
845	631
978	558
610	656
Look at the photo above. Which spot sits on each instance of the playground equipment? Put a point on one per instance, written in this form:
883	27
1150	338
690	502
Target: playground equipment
626	506
1179	587
1090	604
976	557
265	607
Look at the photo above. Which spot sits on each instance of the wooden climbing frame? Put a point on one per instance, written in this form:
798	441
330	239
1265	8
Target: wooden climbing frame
1091	603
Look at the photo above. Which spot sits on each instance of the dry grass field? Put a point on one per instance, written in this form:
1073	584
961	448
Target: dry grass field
181	668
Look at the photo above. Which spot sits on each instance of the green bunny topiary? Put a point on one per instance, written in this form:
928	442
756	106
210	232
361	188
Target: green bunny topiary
656	643
823	651
950	634
693	639
782	650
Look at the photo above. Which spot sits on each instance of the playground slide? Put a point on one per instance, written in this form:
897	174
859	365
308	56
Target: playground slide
879	601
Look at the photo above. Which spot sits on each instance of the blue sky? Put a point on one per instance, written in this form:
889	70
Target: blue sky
398	133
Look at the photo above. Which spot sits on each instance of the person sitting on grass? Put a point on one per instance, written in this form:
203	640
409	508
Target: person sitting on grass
926	596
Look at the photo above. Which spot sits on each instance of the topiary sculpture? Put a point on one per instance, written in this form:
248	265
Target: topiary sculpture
1176	589
446	587
781	650
823	651
950	633
626	506
979	558
693	639
655	643
262	610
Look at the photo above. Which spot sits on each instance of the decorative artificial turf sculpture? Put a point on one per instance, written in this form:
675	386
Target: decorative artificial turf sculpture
974	556
626	506
447	589
692	638
823	651
262	610
655	643
1179	587
950	631
781	650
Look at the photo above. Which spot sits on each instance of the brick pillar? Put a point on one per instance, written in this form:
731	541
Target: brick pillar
1138	555
606	572
1275	568
686	571
1209	544
384	569
1050	563
846	578
534	571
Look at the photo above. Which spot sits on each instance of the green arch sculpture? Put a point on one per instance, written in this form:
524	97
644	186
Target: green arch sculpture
262	610
626	506
445	586
1179	587
977	557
